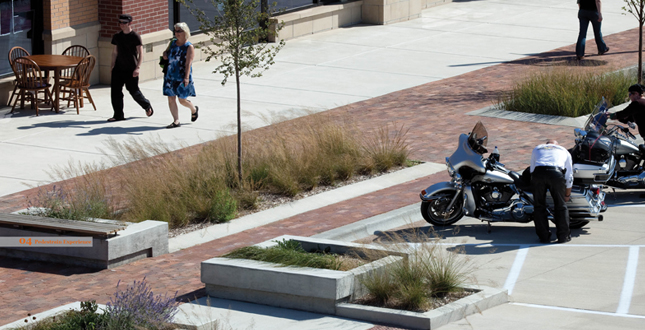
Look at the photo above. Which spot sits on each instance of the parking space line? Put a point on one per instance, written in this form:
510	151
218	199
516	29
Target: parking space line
514	274
630	279
576	310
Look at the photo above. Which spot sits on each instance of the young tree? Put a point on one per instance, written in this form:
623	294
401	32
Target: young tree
635	7
237	32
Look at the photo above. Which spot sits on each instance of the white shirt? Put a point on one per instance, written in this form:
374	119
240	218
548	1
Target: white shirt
553	155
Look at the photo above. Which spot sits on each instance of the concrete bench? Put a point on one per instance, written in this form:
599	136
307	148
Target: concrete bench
113	243
59	226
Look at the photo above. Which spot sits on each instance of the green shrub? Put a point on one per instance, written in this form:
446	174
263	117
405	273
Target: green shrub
223	207
566	92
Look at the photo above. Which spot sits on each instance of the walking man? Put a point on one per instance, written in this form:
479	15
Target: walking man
127	56
551	168
590	11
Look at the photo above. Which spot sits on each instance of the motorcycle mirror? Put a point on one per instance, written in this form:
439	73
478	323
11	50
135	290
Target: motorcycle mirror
580	133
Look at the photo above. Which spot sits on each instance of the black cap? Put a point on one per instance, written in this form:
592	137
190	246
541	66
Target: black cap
636	88
125	17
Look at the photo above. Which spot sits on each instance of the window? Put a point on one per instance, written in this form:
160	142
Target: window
16	18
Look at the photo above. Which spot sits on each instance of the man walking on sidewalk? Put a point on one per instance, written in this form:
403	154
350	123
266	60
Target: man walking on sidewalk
127	56
589	11
551	168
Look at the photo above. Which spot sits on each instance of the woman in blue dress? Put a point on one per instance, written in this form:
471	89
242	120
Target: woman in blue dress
178	81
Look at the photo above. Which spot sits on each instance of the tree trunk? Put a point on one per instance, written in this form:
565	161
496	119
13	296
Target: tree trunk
239	127
640	53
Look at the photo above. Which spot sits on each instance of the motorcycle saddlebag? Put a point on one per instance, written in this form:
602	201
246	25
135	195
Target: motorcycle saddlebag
594	149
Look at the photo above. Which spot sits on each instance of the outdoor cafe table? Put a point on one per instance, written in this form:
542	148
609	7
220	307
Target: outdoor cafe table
56	63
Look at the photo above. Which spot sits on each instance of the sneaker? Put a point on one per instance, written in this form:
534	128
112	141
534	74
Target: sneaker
604	51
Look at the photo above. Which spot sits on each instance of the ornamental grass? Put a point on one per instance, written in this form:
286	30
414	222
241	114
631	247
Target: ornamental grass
432	276
200	184
569	92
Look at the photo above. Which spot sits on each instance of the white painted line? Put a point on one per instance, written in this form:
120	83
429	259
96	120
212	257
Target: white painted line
630	280
543	245
514	274
575	310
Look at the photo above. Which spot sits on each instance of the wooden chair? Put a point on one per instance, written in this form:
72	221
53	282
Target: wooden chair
30	82
77	88
76	50
14	53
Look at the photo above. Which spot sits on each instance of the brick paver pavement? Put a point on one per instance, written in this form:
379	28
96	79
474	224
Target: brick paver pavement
435	115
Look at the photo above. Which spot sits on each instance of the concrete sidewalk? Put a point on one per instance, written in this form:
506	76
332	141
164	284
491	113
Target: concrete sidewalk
419	73
312	73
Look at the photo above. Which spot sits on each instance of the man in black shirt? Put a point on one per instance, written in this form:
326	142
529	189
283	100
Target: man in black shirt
127	56
589	11
635	111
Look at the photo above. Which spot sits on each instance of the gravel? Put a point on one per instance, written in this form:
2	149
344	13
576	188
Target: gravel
267	201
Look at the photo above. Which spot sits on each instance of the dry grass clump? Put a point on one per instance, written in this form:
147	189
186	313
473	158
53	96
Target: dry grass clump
431	277
201	184
566	91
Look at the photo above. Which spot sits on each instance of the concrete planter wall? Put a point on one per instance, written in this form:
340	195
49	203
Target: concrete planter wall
482	298
137	241
309	289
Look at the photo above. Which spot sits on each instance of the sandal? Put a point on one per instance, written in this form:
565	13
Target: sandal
115	119
194	116
151	111
173	125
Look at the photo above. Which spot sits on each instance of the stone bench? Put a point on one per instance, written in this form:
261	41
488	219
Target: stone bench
113	243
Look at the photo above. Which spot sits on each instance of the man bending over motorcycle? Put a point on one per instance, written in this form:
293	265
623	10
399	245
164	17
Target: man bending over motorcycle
551	168
635	111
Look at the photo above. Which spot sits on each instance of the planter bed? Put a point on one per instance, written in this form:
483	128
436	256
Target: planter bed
309	289
482	298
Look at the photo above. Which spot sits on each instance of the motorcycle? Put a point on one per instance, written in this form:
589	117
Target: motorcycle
599	146
482	187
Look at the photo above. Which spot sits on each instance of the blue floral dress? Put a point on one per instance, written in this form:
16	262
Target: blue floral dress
173	81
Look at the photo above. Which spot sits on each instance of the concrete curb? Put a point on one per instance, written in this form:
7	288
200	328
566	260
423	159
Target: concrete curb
360	229
47	314
485	298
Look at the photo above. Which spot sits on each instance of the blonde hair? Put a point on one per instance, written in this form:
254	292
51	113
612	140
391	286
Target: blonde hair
184	27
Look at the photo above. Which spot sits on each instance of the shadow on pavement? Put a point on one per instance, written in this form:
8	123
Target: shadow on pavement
120	130
36	266
502	238
63	124
621	197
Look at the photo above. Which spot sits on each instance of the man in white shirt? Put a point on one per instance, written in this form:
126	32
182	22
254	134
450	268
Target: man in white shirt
551	168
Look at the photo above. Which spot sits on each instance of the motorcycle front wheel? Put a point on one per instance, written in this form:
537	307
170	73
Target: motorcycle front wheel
577	224
435	211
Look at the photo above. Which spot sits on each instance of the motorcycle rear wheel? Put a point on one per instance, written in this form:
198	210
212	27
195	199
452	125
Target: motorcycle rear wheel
433	211
577	224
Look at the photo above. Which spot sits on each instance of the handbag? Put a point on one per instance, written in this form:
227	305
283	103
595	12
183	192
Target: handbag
163	63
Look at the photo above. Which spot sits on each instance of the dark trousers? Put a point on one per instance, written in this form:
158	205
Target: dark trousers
585	17
552	179
132	85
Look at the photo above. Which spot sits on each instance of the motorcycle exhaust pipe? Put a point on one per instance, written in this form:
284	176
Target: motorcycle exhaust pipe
632	180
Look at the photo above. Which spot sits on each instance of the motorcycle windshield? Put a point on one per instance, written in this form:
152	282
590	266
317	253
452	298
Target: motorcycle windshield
478	138
598	118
